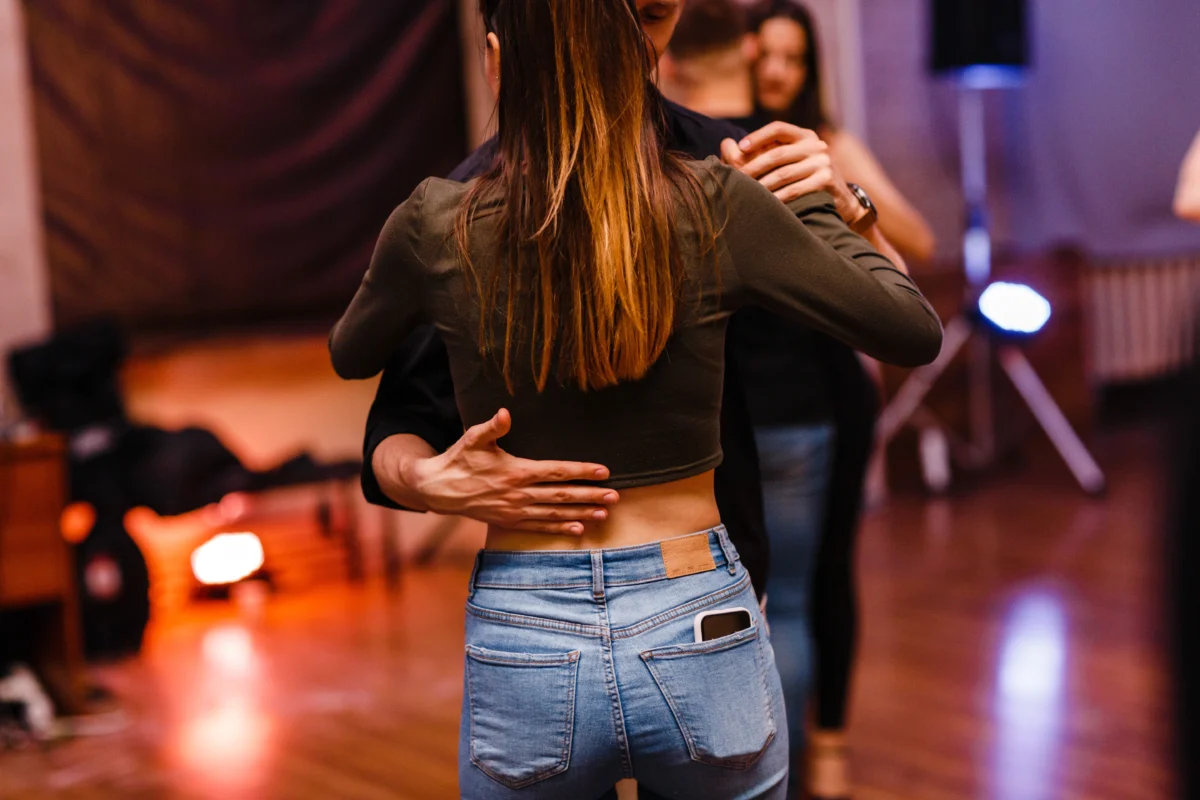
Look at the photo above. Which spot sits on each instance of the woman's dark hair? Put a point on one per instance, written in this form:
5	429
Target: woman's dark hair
584	280
808	109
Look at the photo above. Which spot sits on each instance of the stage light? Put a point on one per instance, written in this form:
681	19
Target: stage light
1014	308
227	558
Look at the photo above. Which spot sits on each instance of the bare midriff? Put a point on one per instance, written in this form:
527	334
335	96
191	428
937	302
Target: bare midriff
644	514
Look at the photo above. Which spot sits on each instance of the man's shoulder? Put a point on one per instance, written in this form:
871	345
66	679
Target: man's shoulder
475	164
697	135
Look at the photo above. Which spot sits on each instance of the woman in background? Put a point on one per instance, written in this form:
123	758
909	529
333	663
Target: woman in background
819	469
787	78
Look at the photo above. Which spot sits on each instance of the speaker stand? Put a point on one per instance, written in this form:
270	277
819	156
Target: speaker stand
963	331
906	407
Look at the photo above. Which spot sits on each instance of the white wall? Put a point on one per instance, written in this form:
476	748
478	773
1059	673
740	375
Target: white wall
1085	153
24	290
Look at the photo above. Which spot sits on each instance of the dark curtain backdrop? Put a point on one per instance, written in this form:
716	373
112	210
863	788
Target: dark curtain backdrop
230	162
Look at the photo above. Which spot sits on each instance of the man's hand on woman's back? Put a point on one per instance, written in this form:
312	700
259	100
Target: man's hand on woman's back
476	478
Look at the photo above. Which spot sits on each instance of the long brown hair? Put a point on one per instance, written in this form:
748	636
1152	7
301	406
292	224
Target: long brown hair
588	269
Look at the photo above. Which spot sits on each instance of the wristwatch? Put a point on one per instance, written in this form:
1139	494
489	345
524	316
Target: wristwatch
863	223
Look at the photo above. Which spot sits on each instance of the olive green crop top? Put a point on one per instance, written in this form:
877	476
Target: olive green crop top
799	261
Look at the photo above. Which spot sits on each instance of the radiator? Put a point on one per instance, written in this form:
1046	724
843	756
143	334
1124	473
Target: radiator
1142	318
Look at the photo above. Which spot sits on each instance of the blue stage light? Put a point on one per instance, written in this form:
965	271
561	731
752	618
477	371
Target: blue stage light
1014	308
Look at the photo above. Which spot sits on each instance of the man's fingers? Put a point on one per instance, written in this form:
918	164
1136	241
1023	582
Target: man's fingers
813	183
775	132
557	513
560	472
731	154
568	494
772	159
787	175
486	433
554	528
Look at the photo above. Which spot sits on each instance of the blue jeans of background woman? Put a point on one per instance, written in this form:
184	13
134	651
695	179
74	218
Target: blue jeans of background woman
582	668
795	462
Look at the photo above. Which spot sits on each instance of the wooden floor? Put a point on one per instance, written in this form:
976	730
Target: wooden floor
1010	651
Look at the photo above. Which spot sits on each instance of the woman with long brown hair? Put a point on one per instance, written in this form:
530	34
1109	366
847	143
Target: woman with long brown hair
815	447
583	283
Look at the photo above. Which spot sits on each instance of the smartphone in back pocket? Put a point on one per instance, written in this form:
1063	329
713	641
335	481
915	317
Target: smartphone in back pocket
715	624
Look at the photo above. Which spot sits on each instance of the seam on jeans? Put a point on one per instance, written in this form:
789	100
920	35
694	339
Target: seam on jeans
679	611
482	585
610	676
522	621
611	583
638	581
520	659
679	719
760	659
608	550
673	651
720	562
564	758
474	575
729	551
569	722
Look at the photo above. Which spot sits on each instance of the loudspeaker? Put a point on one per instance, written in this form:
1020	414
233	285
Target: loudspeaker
969	33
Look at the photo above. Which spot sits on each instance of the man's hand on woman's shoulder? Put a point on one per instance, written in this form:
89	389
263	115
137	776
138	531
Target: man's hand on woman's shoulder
791	162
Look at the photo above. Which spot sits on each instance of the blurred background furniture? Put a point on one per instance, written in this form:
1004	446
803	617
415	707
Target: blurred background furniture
39	614
70	384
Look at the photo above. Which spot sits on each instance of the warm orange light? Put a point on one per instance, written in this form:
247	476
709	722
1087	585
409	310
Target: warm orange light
227	558
77	521
227	742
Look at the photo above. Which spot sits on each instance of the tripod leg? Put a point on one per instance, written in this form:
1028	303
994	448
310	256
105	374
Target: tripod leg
1050	417
913	391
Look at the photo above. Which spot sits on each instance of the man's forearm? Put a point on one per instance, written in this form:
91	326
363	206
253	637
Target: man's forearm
392	463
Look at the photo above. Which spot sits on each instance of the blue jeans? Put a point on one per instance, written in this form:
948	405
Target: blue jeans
582	668
795	462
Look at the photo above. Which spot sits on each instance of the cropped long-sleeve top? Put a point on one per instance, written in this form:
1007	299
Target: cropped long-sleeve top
799	261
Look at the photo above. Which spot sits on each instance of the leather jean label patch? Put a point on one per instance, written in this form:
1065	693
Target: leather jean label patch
687	555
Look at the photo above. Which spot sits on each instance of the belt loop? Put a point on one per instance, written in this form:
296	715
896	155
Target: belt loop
474	573
597	575
727	549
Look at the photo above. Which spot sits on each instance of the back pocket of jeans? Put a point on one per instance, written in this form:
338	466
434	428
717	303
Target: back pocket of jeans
522	709
717	691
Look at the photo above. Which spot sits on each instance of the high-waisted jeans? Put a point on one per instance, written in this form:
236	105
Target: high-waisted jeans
582	668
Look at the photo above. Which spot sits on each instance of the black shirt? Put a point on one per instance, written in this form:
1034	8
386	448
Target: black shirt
416	395
784	368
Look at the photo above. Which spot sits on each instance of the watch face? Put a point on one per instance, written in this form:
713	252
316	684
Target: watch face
863	198
868	219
